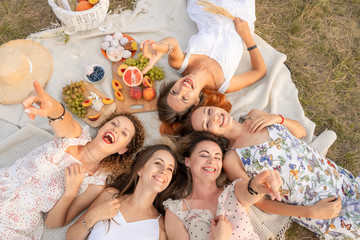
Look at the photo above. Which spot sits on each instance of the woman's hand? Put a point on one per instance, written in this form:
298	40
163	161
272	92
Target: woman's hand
327	208
153	51
262	119
221	228
268	182
243	29
74	175
104	211
48	106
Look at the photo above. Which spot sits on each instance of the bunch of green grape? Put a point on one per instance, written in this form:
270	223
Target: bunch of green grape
155	73
74	96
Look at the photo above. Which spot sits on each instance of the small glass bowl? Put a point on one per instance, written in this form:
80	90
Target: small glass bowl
98	70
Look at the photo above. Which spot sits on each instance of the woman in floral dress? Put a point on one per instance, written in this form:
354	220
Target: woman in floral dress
63	176
321	196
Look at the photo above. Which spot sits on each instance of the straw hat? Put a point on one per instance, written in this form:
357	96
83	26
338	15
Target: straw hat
22	62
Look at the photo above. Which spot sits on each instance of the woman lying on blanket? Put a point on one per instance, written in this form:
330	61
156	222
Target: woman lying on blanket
132	202
211	60
330	194
209	209
65	175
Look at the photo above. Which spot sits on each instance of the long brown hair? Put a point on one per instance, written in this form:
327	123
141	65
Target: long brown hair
126	182
183	126
116	163
187	145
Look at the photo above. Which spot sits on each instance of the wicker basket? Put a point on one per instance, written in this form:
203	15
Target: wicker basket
82	20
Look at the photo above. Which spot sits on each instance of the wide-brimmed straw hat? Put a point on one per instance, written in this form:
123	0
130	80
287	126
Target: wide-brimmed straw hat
21	63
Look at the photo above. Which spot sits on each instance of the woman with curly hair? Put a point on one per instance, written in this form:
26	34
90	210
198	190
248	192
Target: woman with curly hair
131	205
212	57
63	176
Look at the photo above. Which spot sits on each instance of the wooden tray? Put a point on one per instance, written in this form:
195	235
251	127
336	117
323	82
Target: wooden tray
129	104
105	111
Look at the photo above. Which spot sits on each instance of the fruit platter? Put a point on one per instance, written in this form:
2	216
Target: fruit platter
87	102
133	91
118	47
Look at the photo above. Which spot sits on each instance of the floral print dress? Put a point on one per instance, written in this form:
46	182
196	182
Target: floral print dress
307	178
34	184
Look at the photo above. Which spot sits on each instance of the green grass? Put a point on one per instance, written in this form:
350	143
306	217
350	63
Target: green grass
321	39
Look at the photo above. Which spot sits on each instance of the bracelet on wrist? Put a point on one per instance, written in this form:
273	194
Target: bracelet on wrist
85	226
251	190
252	47
58	118
282	119
170	47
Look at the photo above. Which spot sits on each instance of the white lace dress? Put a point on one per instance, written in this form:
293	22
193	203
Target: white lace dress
217	37
34	184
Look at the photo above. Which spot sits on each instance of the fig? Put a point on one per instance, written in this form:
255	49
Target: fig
147	82
131	46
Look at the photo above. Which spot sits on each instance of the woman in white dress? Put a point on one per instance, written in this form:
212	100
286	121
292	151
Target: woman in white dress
63	176
212	57
131	206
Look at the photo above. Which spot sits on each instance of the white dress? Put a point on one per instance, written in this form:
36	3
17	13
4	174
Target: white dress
120	229
197	222
34	184
217	37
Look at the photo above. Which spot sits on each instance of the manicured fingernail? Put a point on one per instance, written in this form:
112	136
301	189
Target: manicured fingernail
27	111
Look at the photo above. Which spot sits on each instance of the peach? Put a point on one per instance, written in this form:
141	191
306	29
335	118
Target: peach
116	85
135	92
119	95
87	103
83	6
147	82
107	100
149	93
121	69
94	117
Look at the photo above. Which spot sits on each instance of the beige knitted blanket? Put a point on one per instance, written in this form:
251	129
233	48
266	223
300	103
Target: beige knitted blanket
275	93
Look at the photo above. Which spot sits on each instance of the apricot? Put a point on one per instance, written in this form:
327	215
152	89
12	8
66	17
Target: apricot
94	117
149	93
147	82
81	0
119	95
135	92
121	69
107	100
83	6
116	85
87	103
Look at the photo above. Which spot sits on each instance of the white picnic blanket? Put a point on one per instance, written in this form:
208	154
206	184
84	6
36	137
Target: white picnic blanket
275	93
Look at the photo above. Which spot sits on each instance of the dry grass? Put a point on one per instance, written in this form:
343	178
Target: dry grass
321	39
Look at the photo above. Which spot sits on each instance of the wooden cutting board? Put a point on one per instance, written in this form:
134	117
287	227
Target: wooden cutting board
129	104
105	111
